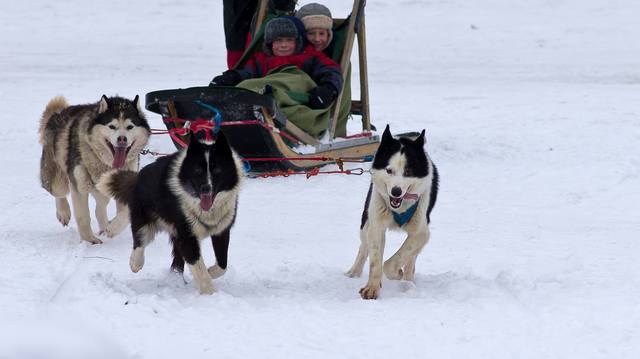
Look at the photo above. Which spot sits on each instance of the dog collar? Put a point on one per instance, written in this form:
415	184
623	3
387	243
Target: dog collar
402	218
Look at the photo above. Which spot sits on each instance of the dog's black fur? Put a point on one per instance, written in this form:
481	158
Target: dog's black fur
168	194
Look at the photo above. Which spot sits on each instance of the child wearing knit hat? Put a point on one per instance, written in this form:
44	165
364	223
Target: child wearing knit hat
284	46
318	23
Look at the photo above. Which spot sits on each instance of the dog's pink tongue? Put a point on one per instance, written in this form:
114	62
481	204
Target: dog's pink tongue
206	201
119	157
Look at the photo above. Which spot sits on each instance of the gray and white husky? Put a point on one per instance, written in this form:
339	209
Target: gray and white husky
79	144
402	193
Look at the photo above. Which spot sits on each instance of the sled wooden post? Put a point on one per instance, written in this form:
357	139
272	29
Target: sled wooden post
364	74
357	14
262	14
171	107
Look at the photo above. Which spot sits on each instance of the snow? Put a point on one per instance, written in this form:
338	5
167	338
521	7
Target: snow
531	111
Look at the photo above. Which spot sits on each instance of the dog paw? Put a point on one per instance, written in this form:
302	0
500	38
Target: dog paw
92	239
392	272
353	273
110	232
206	287
63	212
408	276
115	227
216	272
370	291
64	218
136	261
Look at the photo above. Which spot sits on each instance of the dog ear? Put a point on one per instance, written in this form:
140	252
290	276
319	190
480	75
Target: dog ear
420	140
135	103
194	145
386	135
222	144
104	104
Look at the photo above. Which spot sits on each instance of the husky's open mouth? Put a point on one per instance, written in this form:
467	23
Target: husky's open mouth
119	153
395	202
206	200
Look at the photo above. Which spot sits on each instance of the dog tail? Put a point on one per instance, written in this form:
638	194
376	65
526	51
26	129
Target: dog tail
54	107
118	184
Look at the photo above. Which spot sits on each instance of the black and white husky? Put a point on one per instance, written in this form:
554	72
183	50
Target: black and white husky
403	191
191	194
79	144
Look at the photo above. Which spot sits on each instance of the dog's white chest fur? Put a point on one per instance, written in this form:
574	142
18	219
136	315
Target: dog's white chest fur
216	219
204	223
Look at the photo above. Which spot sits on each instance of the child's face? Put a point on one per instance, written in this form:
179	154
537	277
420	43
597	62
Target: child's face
319	38
283	46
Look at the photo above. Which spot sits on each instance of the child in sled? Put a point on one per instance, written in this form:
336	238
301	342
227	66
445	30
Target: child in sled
318	25
305	82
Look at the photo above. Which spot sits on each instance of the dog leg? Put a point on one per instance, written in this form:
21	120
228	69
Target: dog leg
142	236
202	277
63	211
177	265
80	203
56	182
375	241
190	249
101	210
361	257
220	244
409	249
410	269
136	260
119	222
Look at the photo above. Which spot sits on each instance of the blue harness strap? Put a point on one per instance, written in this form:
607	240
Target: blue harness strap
217	118
402	218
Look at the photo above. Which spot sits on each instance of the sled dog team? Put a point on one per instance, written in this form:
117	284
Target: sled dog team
193	193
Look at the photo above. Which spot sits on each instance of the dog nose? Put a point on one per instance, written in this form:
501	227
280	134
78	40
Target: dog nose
122	140
206	188
396	191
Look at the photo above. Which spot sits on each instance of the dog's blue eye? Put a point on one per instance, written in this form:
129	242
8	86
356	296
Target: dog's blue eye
130	127
112	127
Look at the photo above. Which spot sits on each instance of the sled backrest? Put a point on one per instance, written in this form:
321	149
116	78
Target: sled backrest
345	32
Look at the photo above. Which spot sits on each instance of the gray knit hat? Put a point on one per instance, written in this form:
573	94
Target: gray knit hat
315	16
281	27
313	9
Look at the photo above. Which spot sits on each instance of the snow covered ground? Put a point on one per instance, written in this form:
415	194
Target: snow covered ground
532	111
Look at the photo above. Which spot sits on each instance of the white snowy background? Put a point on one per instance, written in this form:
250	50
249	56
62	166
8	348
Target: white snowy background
532	111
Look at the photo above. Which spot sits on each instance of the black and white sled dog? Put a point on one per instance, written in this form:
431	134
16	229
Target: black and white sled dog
403	191
191	194
79	144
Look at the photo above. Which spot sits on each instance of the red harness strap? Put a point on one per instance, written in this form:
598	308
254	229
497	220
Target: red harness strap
227	123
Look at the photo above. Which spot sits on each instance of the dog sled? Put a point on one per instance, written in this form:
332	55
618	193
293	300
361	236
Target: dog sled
255	127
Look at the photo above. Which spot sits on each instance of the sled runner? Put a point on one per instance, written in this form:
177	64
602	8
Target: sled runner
253	123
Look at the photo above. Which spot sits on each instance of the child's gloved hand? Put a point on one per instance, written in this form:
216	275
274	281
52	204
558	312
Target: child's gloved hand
228	78
321	96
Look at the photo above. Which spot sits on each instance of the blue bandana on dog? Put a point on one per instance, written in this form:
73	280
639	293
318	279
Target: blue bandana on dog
402	218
